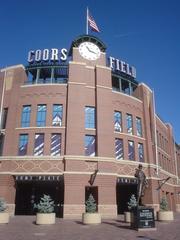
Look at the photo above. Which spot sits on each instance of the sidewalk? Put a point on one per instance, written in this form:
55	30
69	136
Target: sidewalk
24	228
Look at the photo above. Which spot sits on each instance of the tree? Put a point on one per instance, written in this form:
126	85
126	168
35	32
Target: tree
46	205
3	205
91	204
164	204
132	202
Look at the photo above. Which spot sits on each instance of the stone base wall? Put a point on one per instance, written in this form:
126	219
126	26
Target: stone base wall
76	211
177	207
73	211
108	211
11	209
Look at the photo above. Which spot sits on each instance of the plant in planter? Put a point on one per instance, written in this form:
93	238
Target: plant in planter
91	204
45	210
164	204
91	216
4	216
164	214
131	204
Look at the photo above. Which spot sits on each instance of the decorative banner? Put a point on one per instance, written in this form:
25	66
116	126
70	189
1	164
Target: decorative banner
39	145
119	148
55	144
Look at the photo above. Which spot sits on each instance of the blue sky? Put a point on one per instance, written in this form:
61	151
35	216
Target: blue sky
144	33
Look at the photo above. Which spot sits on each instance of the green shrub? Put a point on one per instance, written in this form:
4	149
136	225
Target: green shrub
91	204
46	205
132	202
3	205
164	204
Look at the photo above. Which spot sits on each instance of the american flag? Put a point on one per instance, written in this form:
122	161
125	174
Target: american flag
92	23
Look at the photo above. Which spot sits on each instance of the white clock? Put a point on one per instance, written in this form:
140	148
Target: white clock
89	51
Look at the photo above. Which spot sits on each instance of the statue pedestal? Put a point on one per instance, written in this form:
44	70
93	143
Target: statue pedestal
143	218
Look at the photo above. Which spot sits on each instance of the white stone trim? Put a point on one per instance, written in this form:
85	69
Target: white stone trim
45	84
91	159
100	86
31	173
32	158
103	67
13	67
77	63
146	86
129	135
90	67
76	83
46	127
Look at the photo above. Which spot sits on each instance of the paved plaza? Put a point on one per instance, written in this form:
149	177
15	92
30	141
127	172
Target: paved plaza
24	228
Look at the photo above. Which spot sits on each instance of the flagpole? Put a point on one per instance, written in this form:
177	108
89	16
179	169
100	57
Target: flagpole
87	13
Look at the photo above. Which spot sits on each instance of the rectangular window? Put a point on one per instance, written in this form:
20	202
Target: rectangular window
57	115
117	121
119	149
41	115
141	152
90	145
55	144
139	127
116	84
129	123
131	154
25	116
39	144
4	118
23	143
1	144
90	117
125	86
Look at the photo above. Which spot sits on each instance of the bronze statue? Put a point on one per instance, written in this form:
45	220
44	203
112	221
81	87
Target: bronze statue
142	184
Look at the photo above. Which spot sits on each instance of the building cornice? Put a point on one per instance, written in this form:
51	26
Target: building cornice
12	67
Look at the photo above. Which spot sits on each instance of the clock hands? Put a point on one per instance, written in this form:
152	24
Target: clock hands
90	50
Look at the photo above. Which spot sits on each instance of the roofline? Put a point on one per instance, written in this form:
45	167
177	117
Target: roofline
12	67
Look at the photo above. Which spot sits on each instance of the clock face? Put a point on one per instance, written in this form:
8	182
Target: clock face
89	51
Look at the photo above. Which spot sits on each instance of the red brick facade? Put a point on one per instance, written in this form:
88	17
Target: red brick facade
89	84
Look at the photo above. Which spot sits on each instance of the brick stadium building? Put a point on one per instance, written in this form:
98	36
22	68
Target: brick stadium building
76	124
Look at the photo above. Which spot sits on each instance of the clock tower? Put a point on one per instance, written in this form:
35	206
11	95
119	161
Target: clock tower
88	49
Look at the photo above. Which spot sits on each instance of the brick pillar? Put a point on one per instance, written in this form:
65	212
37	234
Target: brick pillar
74	196
7	191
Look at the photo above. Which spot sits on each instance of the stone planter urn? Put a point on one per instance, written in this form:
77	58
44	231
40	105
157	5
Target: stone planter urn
45	208
165	216
45	218
4	216
127	217
91	218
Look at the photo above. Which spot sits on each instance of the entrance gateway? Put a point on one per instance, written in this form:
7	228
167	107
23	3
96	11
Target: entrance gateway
29	190
124	189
